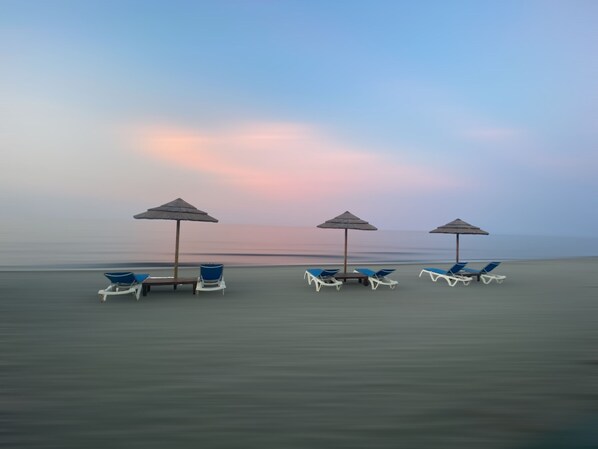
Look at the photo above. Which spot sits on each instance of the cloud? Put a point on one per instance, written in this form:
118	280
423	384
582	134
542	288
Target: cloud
285	160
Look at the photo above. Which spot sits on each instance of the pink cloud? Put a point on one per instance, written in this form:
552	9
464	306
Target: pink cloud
285	160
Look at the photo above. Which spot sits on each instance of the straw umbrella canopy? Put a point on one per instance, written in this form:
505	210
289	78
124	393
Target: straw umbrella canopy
347	221
177	210
458	227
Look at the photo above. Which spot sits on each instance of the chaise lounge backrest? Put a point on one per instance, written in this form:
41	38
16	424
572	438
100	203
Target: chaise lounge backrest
491	266
328	273
211	272
384	272
121	278
456	268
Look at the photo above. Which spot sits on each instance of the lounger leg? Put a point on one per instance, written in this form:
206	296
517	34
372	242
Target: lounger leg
308	276
104	293
430	273
466	281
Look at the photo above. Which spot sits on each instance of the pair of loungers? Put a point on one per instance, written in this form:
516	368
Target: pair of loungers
211	278
325	277
458	273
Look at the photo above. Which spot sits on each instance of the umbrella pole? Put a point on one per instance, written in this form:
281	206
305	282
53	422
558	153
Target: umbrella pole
346	236
457	248
176	250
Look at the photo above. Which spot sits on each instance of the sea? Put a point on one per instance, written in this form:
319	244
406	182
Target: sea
133	244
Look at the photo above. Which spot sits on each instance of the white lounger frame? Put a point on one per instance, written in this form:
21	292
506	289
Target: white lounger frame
210	286
375	282
115	289
328	282
487	278
452	280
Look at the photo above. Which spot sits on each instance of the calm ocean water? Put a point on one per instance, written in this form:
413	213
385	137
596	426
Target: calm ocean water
137	244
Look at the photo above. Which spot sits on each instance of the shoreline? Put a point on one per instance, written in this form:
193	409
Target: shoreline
122	266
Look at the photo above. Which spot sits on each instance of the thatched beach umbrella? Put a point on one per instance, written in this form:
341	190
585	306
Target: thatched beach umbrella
347	221
176	210
458	227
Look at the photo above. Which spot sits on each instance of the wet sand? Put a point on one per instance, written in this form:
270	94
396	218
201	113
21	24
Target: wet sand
273	364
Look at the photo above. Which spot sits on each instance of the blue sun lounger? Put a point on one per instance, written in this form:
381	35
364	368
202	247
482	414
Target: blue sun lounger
211	278
379	277
451	276
123	283
322	278
484	273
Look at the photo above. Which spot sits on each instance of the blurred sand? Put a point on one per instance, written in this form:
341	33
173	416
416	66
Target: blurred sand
273	364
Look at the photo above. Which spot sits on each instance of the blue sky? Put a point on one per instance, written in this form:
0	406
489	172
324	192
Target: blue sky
408	114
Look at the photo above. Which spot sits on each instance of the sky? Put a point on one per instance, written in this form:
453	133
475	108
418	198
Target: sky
409	114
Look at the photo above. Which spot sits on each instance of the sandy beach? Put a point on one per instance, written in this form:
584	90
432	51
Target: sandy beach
274	364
